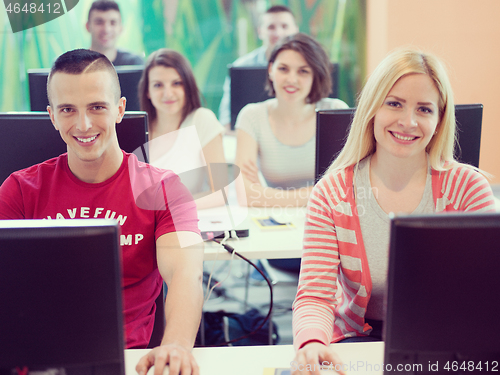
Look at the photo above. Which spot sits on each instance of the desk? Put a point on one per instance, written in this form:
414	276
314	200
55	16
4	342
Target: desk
272	244
251	360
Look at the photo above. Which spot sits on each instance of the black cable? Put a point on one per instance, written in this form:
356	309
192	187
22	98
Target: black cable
231	250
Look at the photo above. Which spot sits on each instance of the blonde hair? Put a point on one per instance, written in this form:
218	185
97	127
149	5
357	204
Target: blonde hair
361	141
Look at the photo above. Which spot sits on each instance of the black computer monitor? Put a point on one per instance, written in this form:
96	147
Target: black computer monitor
128	75
469	124
29	138
442	300
60	285
332	128
247	86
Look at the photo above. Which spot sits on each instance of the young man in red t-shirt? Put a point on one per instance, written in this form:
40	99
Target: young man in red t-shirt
95	179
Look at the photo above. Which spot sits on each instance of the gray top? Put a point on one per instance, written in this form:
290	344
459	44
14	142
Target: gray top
375	227
282	166
255	58
127	58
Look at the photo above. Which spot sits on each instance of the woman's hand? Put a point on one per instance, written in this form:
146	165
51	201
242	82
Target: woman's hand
251	172
310	357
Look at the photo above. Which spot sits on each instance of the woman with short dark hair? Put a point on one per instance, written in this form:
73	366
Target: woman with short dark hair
279	134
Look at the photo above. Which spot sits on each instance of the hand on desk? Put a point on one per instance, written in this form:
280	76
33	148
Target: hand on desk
311	356
180	361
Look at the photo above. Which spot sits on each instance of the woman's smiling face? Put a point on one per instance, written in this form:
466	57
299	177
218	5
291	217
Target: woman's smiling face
166	90
292	76
408	118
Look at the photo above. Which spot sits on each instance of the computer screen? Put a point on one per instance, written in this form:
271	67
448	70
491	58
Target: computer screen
60	282
332	128
248	82
21	144
469	119
128	75
442	300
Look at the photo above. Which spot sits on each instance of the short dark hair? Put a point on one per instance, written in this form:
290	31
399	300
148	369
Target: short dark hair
81	61
279	9
315	57
103	6
169	58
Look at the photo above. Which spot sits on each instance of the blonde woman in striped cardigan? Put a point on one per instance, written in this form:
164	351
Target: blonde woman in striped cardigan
398	158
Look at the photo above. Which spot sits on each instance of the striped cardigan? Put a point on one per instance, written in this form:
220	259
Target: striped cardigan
335	283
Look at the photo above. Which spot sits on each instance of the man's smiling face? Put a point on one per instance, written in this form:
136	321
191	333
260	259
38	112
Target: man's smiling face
104	27
85	109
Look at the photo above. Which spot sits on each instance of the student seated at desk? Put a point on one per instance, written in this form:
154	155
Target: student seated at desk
96	179
398	158
184	137
277	136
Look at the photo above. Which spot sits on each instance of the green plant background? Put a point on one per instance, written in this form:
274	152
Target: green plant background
205	31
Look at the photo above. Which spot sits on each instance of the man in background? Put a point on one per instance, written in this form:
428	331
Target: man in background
275	24
105	26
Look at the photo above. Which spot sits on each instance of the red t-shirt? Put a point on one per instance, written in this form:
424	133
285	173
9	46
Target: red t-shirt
146	201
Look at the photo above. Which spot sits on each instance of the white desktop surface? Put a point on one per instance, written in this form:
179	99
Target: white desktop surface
251	360
269	244
263	244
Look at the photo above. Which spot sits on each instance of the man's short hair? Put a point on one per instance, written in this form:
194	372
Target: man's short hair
277	9
280	9
81	61
103	6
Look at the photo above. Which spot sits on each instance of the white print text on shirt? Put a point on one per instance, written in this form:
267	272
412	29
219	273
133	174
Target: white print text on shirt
99	213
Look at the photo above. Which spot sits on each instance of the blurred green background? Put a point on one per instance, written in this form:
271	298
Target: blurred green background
210	33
